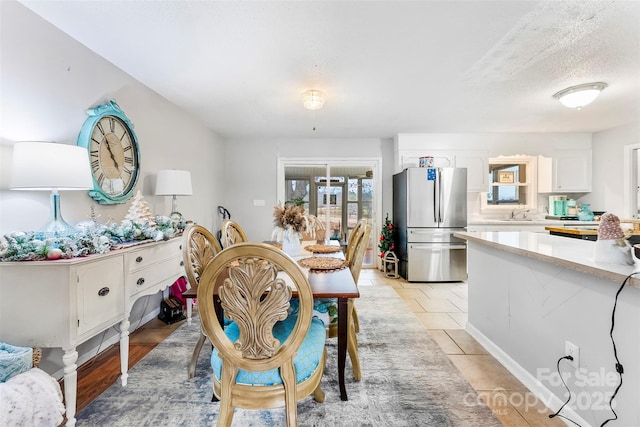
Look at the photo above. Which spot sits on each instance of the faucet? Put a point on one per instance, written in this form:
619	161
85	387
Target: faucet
516	212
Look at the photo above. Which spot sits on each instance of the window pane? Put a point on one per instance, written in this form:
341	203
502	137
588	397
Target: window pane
353	190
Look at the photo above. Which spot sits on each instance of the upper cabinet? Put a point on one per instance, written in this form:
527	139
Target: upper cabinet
569	171
476	162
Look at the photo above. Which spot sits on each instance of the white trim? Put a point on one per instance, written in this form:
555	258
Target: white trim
630	181
536	387
375	163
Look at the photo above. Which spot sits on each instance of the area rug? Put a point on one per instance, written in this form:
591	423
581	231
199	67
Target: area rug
406	381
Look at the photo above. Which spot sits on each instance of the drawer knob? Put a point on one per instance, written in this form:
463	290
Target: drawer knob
140	281
103	292
180	247
139	259
181	263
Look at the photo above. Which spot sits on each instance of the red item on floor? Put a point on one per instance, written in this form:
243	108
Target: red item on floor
178	288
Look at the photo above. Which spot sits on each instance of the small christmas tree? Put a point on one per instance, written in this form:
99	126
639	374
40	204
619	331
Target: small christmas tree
386	237
139	212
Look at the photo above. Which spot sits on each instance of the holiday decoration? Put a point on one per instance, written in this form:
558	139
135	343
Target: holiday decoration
94	238
386	237
139	212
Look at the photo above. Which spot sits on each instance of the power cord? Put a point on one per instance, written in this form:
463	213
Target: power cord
557	413
619	367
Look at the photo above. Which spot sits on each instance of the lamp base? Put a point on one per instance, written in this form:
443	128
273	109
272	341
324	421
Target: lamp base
57	226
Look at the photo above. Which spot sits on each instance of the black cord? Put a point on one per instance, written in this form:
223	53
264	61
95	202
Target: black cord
619	367
557	413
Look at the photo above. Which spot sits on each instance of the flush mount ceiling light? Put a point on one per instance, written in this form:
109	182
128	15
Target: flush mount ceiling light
580	95
313	99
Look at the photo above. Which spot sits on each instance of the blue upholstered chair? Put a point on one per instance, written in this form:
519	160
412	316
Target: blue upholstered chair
266	358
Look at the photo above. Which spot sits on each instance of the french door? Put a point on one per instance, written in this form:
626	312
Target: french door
338	192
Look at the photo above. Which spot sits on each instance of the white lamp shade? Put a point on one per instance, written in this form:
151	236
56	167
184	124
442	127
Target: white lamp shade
50	166
170	182
580	95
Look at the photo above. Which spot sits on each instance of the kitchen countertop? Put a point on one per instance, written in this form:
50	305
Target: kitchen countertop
570	253
549	222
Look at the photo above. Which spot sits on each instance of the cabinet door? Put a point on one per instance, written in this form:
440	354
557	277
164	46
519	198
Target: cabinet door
100	294
572	170
477	164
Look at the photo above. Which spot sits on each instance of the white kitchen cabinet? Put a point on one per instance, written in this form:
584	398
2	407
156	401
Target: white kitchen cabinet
568	171
64	303
476	162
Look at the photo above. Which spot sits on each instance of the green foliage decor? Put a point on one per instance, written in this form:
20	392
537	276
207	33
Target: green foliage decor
386	237
93	238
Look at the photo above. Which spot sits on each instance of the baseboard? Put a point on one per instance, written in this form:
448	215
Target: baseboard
105	344
536	387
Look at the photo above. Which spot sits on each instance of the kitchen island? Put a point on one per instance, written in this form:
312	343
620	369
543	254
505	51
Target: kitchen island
530	293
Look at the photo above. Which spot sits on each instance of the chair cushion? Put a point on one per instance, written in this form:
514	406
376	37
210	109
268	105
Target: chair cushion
325	309
305	362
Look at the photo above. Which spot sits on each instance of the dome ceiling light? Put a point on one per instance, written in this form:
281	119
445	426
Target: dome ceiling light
580	95
313	99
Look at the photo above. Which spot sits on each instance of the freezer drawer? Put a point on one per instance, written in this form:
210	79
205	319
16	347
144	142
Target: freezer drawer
436	262
433	235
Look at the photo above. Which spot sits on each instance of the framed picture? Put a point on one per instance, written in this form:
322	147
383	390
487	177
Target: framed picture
506	177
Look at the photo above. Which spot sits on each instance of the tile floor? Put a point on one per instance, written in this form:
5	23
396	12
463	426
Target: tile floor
442	310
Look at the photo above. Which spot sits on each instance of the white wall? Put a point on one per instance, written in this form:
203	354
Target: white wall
608	167
48	80
251	166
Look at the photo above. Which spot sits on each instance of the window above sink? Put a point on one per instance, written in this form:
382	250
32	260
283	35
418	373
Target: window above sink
512	184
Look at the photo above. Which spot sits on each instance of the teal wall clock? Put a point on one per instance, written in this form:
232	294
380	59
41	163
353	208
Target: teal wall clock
113	153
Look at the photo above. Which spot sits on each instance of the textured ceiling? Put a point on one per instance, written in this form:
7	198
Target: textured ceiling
387	67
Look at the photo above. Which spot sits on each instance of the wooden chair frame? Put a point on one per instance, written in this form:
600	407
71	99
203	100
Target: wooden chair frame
198	248
245	286
232	233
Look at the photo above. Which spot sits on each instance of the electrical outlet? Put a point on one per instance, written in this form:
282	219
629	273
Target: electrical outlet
570	349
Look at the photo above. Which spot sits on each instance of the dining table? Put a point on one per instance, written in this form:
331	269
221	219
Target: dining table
338	284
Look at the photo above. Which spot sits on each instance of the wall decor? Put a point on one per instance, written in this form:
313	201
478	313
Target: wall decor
506	177
113	153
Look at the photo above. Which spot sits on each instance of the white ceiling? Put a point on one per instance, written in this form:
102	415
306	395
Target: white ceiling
387	67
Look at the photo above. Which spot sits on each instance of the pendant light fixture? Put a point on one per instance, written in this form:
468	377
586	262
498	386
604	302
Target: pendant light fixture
580	95
313	99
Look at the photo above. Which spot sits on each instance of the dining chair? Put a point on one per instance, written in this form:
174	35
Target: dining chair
266	358
355	265
198	248
232	233
327	308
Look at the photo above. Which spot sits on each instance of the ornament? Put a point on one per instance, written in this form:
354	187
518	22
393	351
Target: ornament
54	253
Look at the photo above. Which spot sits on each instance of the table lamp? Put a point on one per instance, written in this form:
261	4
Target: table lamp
53	167
171	182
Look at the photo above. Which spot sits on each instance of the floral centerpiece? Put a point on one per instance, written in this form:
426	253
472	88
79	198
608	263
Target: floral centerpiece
290	222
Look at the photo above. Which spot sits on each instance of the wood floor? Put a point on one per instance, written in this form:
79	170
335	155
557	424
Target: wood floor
440	307
99	373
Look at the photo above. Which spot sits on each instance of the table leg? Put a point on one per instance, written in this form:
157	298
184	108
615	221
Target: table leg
70	384
189	310
343	323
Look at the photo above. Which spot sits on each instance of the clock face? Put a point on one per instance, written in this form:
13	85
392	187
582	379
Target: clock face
113	153
114	161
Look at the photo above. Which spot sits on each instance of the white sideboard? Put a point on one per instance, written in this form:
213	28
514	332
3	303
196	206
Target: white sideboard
64	303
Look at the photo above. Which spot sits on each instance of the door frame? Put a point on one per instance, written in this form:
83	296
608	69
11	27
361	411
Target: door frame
631	166
375	163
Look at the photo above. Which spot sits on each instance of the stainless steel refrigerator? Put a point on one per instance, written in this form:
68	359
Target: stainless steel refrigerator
429	205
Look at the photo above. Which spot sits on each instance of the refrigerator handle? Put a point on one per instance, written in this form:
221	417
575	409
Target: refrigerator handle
439	196
435	213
